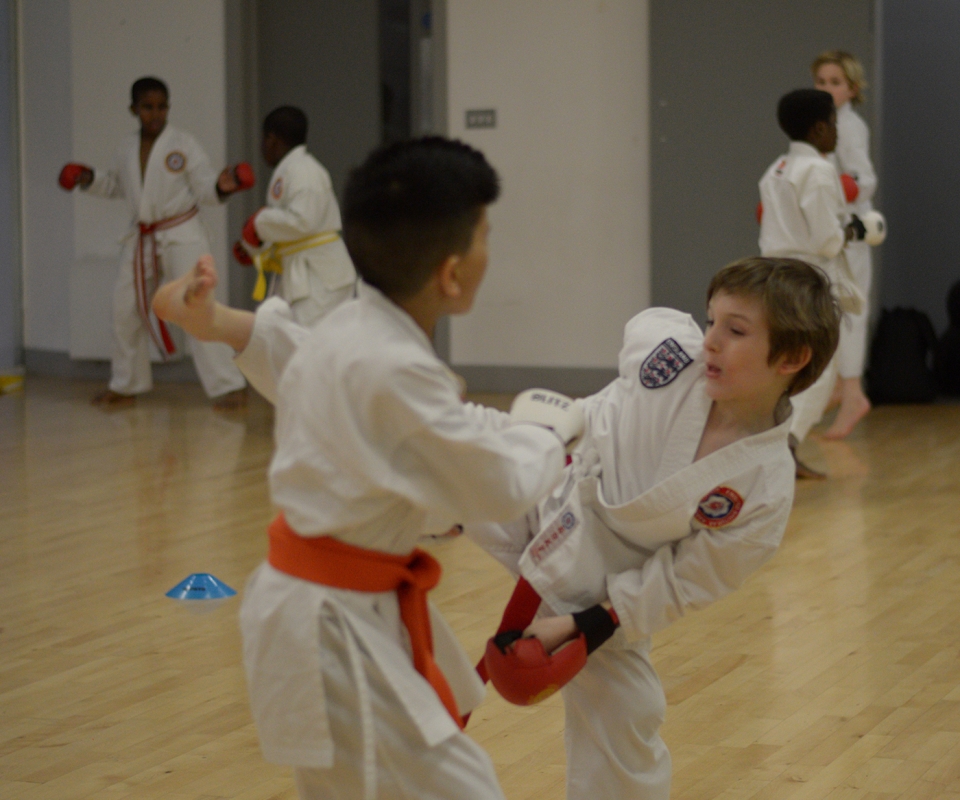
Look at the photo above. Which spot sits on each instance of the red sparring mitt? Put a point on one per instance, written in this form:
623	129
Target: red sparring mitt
760	212
250	231
851	189
240	253
524	673
243	175
70	175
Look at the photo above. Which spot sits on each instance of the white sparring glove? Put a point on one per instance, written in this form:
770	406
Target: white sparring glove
870	228
559	413
875	227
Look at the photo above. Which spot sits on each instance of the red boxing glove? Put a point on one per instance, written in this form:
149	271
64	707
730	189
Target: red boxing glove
243	175
524	673
760	212
70	175
250	231
240	253
851	189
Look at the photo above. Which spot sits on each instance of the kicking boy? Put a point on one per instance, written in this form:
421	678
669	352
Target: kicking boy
163	174
374	448
680	488
804	216
296	236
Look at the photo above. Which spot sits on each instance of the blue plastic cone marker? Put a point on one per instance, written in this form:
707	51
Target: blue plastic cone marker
201	586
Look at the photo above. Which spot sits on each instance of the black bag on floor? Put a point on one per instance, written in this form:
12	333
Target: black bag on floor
901	354
946	358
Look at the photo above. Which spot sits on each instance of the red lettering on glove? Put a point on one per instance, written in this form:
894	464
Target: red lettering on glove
760	212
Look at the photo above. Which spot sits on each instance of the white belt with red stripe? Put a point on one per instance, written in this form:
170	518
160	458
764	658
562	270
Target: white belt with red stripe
148	275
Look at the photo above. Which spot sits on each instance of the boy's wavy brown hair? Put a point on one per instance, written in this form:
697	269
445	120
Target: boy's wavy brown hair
801	309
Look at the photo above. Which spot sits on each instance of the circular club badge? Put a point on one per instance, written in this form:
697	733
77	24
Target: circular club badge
719	508
176	161
277	189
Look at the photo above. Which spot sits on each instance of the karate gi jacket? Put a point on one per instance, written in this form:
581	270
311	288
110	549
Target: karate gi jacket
636	521
301	203
177	178
375	448
804	214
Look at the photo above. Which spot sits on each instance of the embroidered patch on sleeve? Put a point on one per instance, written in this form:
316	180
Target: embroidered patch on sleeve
719	508
277	189
176	161
667	360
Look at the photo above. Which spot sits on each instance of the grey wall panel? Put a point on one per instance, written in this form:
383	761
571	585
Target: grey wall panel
717	71
921	121
322	55
10	264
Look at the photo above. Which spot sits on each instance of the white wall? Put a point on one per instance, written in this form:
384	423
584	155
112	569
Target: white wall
79	58
570	242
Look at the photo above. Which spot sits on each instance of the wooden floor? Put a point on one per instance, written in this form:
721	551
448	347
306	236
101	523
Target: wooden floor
833	673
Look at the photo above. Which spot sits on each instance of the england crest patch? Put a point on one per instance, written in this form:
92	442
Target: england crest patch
176	161
277	189
719	508
667	360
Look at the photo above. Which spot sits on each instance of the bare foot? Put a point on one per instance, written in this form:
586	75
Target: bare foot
112	399
231	401
855	407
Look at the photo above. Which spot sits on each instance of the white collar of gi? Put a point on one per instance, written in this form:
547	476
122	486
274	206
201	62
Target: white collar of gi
370	294
804	149
291	155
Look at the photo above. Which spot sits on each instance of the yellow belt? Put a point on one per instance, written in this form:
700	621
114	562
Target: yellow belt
271	259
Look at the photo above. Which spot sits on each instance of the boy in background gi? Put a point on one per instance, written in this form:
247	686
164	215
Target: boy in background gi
375	449
162	173
296	236
804	217
680	488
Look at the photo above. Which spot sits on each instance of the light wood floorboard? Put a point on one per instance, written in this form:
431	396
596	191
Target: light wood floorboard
834	673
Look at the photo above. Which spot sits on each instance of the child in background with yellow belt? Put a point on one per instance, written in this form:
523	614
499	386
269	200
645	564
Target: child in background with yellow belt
294	240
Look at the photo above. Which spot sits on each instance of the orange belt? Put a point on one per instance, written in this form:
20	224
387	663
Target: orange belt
333	563
148	275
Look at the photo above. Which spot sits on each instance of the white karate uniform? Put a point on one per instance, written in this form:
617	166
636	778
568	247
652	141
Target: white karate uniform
178	177
852	157
301	203
804	213
374	448
638	522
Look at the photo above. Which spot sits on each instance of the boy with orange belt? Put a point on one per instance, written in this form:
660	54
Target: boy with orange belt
163	173
354	678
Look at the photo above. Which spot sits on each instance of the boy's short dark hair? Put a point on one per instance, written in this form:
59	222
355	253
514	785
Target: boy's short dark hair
411	205
801	109
801	309
288	124
143	85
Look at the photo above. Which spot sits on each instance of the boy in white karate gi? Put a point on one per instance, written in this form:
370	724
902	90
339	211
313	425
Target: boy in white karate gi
680	488
805	217
842	75
163	174
295	237
375	449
